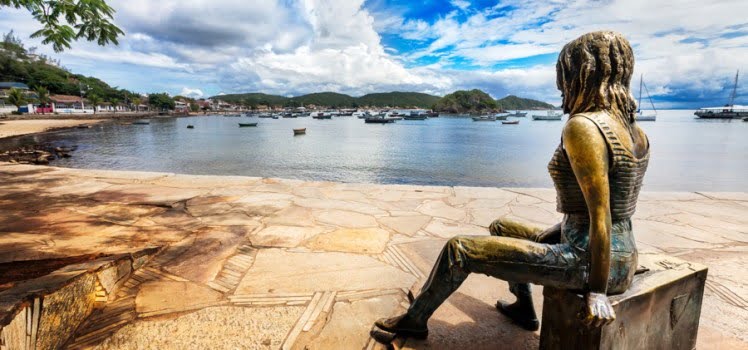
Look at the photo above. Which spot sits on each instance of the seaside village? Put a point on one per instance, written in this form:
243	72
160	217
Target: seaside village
71	104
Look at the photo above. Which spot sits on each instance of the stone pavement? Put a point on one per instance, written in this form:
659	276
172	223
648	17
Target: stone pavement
252	263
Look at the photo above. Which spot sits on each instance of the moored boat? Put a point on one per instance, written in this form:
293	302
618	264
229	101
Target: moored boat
246	125
190	126
510	122
141	123
551	115
379	120
300	131
729	111
518	114
415	117
484	119
641	116
501	116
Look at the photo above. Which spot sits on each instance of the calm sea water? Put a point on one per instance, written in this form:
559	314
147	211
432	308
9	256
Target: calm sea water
687	154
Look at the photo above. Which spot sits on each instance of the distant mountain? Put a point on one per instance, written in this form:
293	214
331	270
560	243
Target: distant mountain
333	99
464	101
512	102
477	101
404	99
330	99
251	99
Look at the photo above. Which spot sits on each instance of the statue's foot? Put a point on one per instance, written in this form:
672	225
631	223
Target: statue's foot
403	325
521	315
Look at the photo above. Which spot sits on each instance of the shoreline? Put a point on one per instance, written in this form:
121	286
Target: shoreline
49	123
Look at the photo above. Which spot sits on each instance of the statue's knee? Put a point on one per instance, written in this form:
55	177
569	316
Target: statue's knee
456	243
496	228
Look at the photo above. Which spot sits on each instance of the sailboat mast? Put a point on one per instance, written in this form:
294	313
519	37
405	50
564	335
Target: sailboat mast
641	82
734	90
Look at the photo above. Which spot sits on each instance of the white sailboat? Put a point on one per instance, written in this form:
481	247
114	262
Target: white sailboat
641	116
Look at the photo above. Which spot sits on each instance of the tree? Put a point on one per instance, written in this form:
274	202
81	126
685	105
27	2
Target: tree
161	101
115	103
16	97
43	96
94	100
136	101
194	107
66	20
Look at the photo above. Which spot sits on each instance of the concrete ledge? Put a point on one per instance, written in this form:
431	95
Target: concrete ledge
44	312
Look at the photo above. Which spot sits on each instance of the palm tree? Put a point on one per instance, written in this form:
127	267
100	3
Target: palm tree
16	98
115	103
136	101
43	96
94	100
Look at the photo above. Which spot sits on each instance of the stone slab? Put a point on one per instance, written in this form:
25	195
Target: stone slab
279	271
354	240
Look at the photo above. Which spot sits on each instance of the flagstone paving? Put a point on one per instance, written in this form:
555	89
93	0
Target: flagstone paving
257	263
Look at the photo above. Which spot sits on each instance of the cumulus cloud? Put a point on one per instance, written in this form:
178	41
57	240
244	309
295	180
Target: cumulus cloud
194	93
686	48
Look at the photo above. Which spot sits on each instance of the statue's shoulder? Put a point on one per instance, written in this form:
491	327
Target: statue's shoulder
582	127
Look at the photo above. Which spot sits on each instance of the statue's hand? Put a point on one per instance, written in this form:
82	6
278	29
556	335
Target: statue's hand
597	311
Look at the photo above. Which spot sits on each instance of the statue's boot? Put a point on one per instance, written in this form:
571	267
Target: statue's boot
522	311
404	325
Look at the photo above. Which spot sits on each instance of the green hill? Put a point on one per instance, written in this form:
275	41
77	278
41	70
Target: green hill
19	65
251	99
329	99
464	101
477	101
512	102
404	99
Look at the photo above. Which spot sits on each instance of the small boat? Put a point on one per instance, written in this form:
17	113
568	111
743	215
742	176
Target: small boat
301	131
510	122
323	116
141	123
274	117
290	115
501	116
265	115
232	115
415	117
432	114
640	115
745	119
379	120
247	125
84	126
190	126
729	111
484	119
518	114
551	115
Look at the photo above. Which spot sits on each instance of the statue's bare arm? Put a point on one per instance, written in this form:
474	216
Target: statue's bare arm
588	154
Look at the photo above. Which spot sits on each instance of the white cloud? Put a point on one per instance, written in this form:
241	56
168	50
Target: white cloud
299	46
194	93
461	4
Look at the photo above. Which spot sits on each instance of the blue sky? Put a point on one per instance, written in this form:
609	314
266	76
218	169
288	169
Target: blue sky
687	50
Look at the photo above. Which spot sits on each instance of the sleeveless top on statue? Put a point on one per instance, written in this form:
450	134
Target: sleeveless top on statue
624	176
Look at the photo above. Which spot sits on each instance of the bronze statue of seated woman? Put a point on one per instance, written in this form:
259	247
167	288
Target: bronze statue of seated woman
597	171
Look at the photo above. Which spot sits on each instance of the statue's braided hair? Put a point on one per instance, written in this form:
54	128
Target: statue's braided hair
594	72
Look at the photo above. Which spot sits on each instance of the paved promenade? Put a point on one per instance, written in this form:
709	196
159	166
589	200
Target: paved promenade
252	263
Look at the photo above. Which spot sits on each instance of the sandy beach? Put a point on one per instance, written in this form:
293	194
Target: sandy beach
10	128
